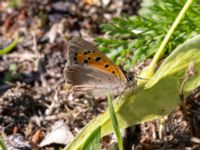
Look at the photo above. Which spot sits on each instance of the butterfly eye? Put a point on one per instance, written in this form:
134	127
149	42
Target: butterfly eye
130	77
113	72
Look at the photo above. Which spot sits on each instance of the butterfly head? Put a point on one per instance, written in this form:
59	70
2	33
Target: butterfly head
131	79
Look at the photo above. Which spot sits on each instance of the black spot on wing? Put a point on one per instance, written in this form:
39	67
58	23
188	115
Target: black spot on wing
85	61
86	52
97	59
106	66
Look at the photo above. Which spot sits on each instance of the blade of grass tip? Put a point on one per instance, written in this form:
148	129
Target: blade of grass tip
2	144
9	47
161	49
114	121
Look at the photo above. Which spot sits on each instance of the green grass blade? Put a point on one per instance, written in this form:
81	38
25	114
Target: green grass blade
114	121
2	144
9	47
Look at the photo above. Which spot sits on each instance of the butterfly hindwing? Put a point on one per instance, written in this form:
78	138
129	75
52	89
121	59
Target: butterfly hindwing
92	81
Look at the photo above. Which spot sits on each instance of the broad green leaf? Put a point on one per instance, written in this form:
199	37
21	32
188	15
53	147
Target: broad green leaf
179	60
93	142
154	99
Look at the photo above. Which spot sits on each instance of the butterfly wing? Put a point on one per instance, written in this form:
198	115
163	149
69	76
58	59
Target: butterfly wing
89	70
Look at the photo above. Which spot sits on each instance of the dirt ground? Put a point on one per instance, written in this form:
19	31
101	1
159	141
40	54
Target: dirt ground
34	99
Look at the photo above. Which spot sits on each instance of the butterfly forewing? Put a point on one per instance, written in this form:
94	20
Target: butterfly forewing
89	70
84	53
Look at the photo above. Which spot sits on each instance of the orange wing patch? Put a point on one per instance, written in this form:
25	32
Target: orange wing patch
97	60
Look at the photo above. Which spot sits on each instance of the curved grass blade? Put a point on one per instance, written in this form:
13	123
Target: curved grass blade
9	47
2	144
114	121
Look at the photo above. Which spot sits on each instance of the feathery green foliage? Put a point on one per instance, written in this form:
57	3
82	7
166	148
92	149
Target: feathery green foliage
136	38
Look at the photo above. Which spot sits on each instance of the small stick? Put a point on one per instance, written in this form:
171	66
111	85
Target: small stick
189	73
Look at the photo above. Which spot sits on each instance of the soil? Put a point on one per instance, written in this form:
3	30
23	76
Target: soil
33	92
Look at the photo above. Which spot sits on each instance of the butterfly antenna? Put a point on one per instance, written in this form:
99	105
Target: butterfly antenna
141	78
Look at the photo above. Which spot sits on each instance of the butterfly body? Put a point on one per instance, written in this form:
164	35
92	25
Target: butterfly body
91	71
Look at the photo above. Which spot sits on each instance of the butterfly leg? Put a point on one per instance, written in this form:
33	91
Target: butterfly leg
128	86
65	71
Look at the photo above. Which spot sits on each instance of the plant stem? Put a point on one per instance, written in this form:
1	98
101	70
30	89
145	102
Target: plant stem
161	49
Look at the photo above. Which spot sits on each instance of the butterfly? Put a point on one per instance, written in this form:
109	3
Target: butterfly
90	71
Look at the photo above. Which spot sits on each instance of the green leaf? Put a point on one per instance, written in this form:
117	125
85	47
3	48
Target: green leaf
114	121
152	99
9	47
178	60
92	142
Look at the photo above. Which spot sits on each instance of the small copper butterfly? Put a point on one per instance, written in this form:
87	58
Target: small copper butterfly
89	70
